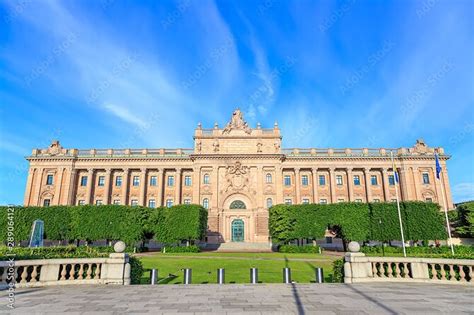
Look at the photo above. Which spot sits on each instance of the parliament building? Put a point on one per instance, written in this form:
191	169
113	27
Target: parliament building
237	173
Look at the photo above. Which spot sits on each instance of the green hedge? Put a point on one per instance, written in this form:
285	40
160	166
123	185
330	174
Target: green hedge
299	249
338	271
357	221
53	252
136	270
109	222
181	249
460	251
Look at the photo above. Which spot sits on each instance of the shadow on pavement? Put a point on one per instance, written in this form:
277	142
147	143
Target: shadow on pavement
371	299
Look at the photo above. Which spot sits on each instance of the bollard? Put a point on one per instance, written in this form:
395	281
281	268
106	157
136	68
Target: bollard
153	276
286	275
187	276
220	276
254	275
319	275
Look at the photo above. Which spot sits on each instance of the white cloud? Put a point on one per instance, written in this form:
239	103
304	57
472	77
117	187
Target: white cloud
124	114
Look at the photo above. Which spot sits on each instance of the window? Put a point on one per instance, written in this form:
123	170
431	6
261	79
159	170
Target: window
187	201
391	180
373	180
237	204
304	180
305	201
80	202
323	201
358	200
340	200
357	180
83	180
426	178
205	179
170	180
269	202
169	203
134	202
205	203
339	180
268	178
151	203
117	202
287	180
394	200
376	200
98	202
101	181
322	180
187	180
153	181
49	180
118	181
288	202
46	202
429	199
136	181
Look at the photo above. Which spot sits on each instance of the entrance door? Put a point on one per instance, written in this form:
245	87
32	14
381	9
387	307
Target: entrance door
237	230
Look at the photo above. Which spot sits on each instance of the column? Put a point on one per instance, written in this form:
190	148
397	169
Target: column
90	186
447	190
386	191
367	184
143	185
416	182
161	187
72	187
57	191
29	186
332	180
177	198
297	186
315	185
214	188
260	176
196	184
108	183
125	176
39	184
350	184
279	184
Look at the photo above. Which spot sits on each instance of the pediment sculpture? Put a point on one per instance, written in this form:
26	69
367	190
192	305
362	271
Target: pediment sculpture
237	122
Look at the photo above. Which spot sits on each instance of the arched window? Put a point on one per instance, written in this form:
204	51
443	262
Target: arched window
269	202
269	178
205	179
205	203
237	204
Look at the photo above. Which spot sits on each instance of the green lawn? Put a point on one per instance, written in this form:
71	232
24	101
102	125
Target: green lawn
237	266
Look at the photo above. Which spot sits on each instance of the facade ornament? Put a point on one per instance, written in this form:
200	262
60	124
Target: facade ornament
259	147
237	122
55	148
216	145
277	147
198	146
420	146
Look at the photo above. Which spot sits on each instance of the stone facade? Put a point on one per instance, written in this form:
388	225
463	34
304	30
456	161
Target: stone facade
237	173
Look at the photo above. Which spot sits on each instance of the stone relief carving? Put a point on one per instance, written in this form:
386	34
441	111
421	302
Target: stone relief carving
54	148
237	178
420	146
237	122
216	145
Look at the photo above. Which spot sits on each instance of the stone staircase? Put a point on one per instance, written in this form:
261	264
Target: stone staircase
240	247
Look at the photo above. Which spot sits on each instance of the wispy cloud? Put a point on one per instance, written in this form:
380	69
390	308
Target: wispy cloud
124	114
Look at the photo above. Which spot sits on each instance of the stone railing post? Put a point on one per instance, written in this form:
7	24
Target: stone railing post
116	269
49	273
419	270
357	266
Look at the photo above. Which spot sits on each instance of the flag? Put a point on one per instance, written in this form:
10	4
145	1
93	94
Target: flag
438	166
395	173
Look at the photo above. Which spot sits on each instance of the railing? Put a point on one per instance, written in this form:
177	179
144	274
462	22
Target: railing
43	272
359	268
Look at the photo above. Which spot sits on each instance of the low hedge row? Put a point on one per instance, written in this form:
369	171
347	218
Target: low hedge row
299	249
460	251
181	249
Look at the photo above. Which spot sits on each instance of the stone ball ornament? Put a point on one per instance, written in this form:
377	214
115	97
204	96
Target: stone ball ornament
119	247
354	247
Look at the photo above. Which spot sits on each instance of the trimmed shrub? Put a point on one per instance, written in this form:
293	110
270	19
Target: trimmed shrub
136	270
27	253
182	249
338	271
299	249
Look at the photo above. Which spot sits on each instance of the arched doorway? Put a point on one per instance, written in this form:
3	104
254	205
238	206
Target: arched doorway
238	230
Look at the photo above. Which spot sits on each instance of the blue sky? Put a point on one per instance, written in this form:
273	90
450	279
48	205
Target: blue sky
114	74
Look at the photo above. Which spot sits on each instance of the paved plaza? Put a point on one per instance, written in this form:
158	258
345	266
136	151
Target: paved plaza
387	298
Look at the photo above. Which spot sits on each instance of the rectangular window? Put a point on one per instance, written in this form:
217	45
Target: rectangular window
49	179
98	202
288	202
187	201
305	201
46	202
134	202
357	180
187	180
118	181
376	200
101	181
339	180
429	199
269	202
322	180
153	181
358	200
136	181
323	201
151	203
80	202
426	178
170	180
205	179
83	180
304	180
117	202
340	200
373	180
169	203
391	180
287	180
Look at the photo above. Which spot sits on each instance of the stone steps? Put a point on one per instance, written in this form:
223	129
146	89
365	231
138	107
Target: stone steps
240	247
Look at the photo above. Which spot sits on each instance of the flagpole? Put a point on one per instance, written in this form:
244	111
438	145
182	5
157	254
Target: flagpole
398	204
445	205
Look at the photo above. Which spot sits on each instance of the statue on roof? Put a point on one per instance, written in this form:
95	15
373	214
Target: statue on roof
237	122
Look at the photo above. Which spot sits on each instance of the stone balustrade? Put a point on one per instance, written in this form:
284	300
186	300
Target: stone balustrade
114	269
361	268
